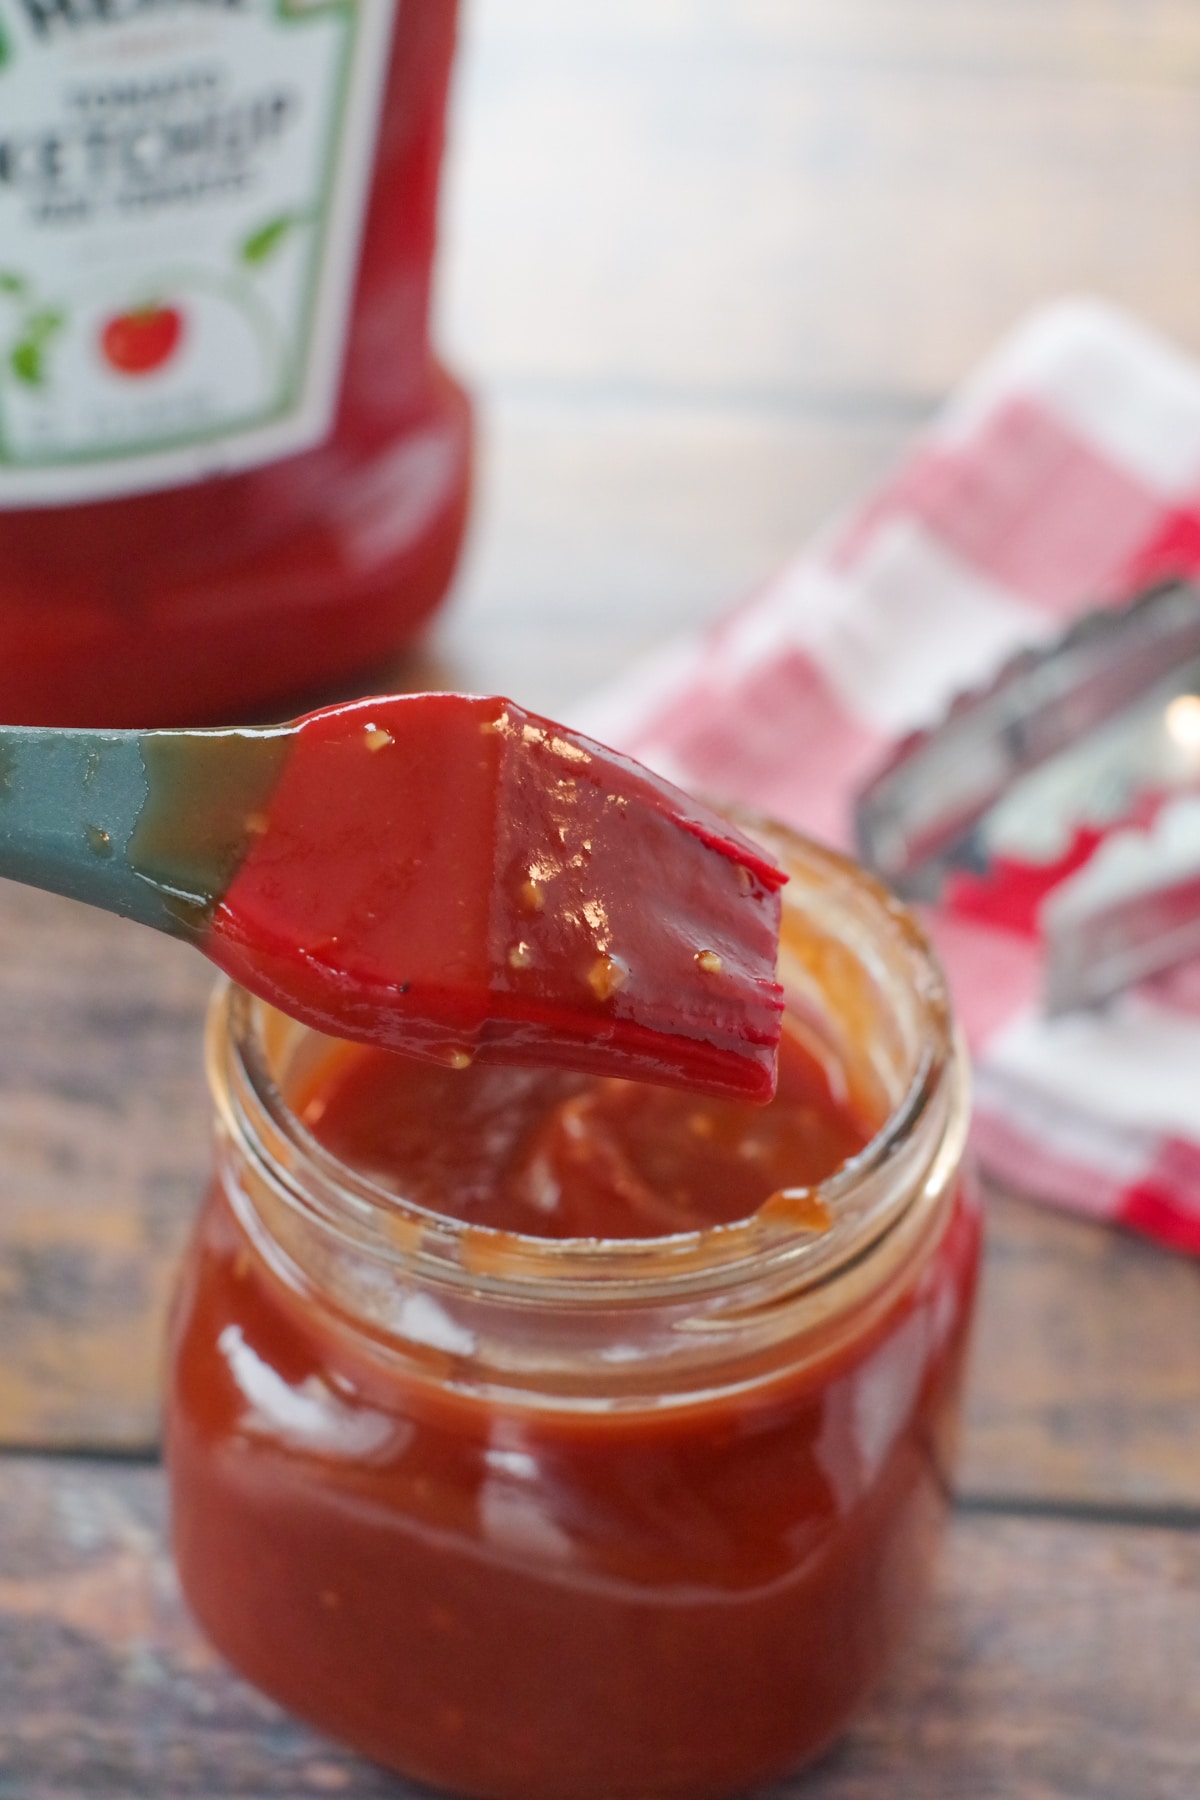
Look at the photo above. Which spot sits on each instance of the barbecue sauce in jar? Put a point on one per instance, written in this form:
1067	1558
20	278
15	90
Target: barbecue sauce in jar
548	1437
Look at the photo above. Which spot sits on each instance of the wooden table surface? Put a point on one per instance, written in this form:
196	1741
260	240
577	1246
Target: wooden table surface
707	265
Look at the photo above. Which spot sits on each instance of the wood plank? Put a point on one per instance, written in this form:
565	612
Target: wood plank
103	1156
782	200
1085	1375
1056	1660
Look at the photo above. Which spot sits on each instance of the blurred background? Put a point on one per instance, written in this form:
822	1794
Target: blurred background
706	267
707	263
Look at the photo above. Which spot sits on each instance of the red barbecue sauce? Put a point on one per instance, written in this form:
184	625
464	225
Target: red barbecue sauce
551	1154
458	878
538	1601
209	599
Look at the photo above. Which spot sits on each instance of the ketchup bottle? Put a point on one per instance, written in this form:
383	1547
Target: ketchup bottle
230	466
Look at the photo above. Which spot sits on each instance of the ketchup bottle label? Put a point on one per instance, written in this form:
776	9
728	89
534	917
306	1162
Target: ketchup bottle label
182	190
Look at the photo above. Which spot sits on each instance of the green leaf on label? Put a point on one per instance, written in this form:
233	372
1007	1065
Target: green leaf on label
27	362
43	324
12	284
263	243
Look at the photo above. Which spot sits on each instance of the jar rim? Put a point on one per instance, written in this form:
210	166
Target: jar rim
863	1197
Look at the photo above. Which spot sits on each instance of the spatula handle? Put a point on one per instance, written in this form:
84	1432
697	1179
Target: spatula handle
69	801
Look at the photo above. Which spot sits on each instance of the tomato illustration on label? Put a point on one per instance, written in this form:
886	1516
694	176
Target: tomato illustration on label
140	341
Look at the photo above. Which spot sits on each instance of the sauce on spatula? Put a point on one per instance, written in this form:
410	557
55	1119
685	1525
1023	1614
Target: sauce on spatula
457	878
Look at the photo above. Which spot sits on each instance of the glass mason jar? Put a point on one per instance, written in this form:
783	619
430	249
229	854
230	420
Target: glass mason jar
583	1519
232	469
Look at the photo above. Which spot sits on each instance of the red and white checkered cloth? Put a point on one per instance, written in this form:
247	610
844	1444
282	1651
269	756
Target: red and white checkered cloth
1065	472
